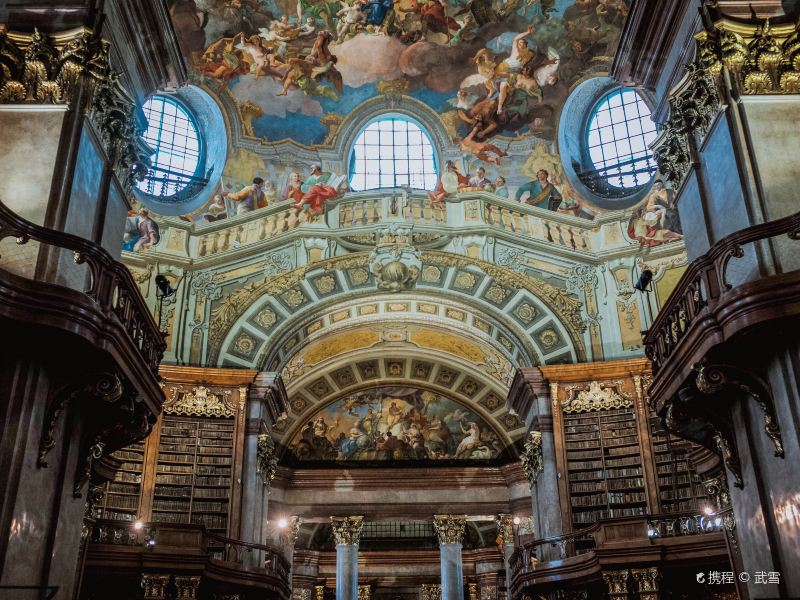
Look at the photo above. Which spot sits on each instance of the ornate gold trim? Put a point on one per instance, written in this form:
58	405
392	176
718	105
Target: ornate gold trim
200	402
595	396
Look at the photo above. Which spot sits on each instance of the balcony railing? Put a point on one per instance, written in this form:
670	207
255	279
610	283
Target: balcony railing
82	266
581	553
356	215
710	279
152	538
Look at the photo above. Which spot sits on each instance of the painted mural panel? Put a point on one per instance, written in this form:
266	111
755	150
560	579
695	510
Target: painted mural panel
488	67
395	423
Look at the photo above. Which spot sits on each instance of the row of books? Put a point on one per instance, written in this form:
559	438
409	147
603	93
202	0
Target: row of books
573	429
594	500
672	467
212	470
120	502
624	472
622	484
215	459
573	455
210	521
128	455
116	487
626	497
586	475
170	517
583	444
165	468
623	462
592	464
597	486
173	491
680	493
171	505
174	479
622	450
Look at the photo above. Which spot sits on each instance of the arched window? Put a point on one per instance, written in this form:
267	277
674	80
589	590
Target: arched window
619	133
176	163
392	152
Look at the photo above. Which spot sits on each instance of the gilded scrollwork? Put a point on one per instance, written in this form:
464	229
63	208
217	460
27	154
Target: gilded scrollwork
266	459
200	402
532	458
595	396
717	489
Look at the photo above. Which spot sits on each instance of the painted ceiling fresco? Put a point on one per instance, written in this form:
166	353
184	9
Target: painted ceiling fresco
488	67
395	423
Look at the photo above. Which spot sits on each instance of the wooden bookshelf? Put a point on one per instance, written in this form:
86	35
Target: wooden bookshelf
679	486
604	465
186	471
122	496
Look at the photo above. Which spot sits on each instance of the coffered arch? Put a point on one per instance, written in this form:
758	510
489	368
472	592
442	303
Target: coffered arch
262	324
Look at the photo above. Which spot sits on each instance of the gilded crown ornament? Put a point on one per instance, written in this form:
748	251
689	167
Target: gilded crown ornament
450	528
347	530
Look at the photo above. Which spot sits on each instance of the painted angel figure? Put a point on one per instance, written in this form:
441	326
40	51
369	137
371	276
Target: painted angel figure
351	17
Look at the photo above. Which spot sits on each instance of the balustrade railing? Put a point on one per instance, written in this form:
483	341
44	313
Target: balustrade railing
107	282
363	209
538	556
236	551
150	536
706	282
528	556
666	526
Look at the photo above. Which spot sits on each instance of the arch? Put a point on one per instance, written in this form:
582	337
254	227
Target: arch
540	320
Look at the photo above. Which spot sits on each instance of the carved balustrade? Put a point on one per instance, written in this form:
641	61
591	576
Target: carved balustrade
83	266
355	214
662	526
711	280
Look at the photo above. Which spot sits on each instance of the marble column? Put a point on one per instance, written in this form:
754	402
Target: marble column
530	396
347	533
505	529
450	531
265	397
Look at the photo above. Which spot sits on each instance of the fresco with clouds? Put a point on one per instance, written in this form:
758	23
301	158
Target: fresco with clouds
489	68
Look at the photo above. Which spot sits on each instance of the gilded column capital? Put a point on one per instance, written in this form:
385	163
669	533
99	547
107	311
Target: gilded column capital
532	457
431	591
187	587
347	530
154	586
647	580
617	582
505	528
450	528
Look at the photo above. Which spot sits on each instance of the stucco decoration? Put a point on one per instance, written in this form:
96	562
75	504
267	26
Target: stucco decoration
395	423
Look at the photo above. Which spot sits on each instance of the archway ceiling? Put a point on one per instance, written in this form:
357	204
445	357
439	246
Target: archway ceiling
264	323
444	361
